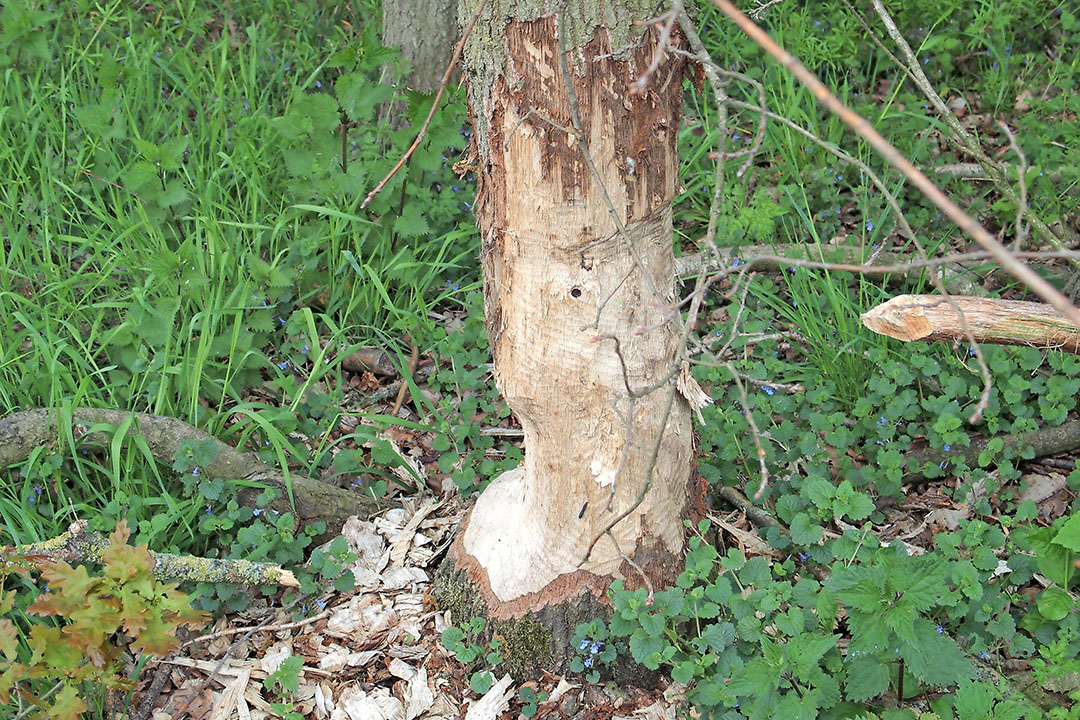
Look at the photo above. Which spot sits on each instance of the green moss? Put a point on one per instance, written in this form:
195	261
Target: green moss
528	642
528	646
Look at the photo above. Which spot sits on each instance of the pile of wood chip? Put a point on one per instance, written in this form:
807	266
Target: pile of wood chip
370	654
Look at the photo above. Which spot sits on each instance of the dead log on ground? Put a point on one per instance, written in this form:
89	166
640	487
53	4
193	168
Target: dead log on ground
312	500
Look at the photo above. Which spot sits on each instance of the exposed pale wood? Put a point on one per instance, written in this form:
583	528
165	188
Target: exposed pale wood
1002	322
560	280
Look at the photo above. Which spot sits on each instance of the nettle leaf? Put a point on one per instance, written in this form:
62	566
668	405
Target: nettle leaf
806	650
923	588
867	678
411	222
359	96
758	677
935	658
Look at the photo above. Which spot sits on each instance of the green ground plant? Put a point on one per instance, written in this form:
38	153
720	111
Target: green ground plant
102	622
181	235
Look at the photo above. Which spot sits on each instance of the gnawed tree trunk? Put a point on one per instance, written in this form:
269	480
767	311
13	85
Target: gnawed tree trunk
1003	322
560	281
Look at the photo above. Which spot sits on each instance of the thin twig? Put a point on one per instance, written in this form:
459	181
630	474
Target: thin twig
639	86
963	138
182	712
749	415
262	626
861	126
1021	174
434	106
414	360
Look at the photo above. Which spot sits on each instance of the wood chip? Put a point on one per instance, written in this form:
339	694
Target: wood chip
494	703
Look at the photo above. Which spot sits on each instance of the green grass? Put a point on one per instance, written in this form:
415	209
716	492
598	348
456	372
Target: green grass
181	235
169	245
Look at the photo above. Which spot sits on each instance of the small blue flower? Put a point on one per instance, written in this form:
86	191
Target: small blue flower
318	83
882	421
321	603
588	662
209	510
597	646
984	655
304	350
584	645
869	226
195	471
256	512
768	390
948	447
940	630
283	364
282	321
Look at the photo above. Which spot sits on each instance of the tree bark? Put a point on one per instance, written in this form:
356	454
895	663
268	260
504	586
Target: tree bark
426	31
577	314
1001	322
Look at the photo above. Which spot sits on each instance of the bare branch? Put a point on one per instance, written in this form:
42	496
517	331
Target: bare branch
860	125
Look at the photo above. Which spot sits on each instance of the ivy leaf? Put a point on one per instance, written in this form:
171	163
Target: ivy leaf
715	637
1054	603
643	646
1069	535
803	532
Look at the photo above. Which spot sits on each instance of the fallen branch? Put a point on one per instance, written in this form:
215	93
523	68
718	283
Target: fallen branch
1049	440
79	546
1001	322
312	500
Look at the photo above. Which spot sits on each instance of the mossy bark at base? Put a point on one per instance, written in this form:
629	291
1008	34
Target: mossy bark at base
538	641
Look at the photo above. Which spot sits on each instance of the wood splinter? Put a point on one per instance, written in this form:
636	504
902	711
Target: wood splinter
1002	322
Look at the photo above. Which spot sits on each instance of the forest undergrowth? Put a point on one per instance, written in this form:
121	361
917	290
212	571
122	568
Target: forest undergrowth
182	237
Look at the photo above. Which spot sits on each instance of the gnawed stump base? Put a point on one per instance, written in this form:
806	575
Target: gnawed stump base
536	641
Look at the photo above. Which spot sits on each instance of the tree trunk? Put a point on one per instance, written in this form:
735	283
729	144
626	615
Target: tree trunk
577	313
426	31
